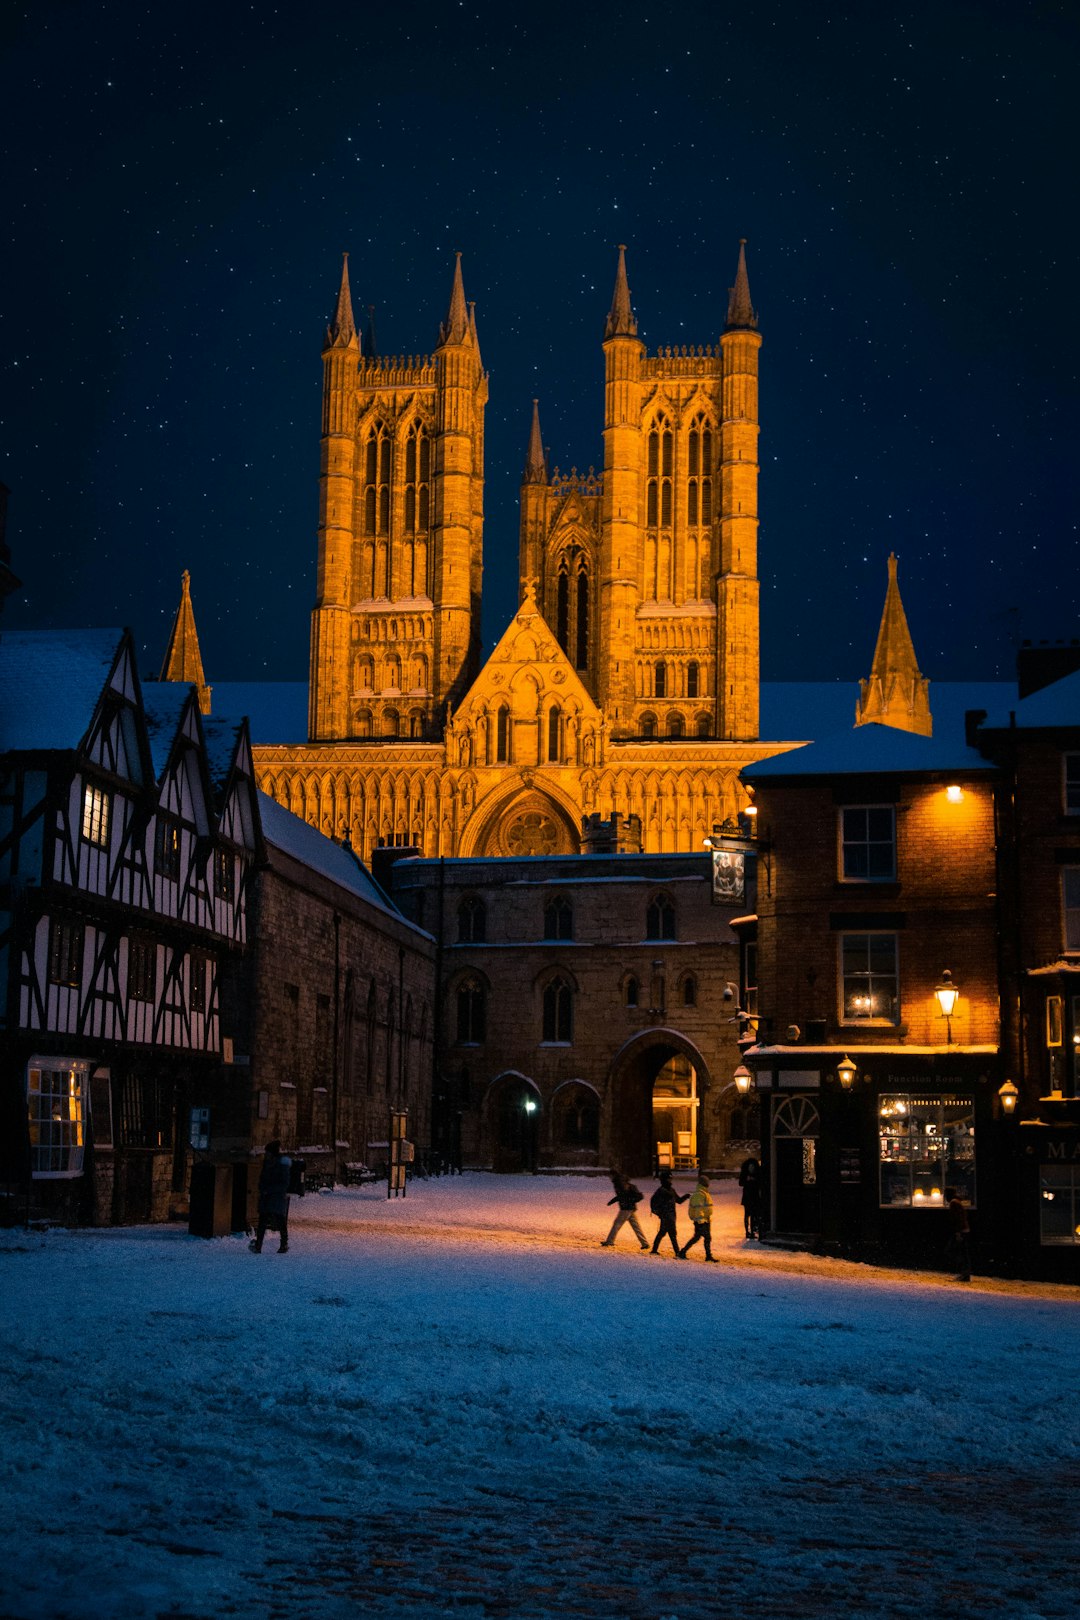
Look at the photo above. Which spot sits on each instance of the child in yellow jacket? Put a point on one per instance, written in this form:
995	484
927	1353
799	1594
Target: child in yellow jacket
701	1215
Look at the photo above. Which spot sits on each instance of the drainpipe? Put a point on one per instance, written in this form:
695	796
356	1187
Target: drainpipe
337	1042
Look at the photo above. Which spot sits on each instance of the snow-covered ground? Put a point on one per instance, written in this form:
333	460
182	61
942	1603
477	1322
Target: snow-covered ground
458	1404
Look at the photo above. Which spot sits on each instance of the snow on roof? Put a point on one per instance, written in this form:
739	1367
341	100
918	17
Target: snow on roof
163	704
304	843
1056	705
277	711
867	750
221	732
50	682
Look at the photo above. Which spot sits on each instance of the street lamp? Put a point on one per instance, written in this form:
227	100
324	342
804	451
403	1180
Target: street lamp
847	1070
946	993
743	1079
1009	1098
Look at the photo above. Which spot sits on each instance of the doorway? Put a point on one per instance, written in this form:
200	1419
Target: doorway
796	1127
513	1111
656	1089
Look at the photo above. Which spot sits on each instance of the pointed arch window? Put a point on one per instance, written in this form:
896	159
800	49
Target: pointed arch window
554	736
562	609
417	470
689	991
502	737
471	1013
472	921
377	480
699	464
558	919
648	725
660	918
558	1012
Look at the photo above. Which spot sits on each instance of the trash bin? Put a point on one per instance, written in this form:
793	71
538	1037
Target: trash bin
210	1212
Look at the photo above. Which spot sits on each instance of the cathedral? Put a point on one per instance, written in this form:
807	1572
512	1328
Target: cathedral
627	681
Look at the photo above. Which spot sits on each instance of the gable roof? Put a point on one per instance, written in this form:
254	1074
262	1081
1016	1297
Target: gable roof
529	645
50	683
314	850
1050	706
873	749
163	705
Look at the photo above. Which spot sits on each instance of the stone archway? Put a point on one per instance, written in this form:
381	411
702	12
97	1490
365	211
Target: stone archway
633	1103
529	822
511	1123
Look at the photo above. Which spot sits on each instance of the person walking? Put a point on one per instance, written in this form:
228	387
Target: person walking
273	1198
663	1204
960	1235
701	1215
750	1182
628	1197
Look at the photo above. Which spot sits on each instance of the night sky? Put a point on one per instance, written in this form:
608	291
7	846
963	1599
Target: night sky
180	181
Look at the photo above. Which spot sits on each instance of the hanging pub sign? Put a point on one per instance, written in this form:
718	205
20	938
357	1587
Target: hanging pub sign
729	876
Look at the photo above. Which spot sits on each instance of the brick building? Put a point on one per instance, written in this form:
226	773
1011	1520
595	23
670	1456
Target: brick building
582	1010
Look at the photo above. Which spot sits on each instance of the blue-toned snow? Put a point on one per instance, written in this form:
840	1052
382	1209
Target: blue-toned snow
459	1405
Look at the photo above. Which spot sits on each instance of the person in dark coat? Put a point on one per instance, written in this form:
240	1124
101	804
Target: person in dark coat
273	1198
750	1182
959	1235
628	1197
663	1204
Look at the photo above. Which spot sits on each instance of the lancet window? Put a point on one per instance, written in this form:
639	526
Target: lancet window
417	480
572	607
699	467
502	737
659	468
554	736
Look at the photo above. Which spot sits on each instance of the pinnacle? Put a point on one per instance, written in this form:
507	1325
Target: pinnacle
455	328
620	321
896	694
343	329
740	311
183	660
535	462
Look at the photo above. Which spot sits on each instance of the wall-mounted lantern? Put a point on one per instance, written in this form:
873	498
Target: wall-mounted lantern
846	1071
947	994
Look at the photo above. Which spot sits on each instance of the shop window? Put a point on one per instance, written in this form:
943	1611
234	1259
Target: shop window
472	921
926	1145
868	843
55	1099
1059	1204
558	920
660	919
470	1013
95	815
1070	906
1072	784
558	1012
870	979
65	953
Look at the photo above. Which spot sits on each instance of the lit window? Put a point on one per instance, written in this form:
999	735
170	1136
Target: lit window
558	1012
1070	906
925	1145
167	850
1059	1204
224	874
95	816
660	919
55	1097
870	979
868	843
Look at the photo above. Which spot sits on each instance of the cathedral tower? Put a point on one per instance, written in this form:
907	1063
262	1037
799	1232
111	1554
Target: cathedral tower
395	631
737	631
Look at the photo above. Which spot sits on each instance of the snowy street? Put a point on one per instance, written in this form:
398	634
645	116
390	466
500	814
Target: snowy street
458	1404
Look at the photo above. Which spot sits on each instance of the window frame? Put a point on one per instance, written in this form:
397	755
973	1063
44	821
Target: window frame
166	855
664	908
1055	1179
558	919
470	1003
96	814
557	1026
1070	878
472	907
141	969
901	1128
67	942
865	843
847	1018
70	1147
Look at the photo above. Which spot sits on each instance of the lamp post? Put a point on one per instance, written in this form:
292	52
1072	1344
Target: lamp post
947	993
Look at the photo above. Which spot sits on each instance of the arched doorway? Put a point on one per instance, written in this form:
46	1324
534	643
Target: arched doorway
796	1126
657	1084
575	1124
512	1123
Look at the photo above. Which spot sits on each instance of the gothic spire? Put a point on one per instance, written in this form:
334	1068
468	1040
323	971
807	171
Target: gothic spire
456	325
535	462
474	338
896	694
183	660
342	329
620	321
740	311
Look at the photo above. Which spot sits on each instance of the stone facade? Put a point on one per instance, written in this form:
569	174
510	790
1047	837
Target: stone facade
628	680
582	1009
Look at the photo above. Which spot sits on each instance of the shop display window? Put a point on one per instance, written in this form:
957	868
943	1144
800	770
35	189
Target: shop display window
55	1094
1059	1204
927	1143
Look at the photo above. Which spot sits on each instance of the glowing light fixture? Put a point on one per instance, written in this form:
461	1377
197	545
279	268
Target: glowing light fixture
947	993
743	1079
1009	1097
530	1105
847	1070
954	793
